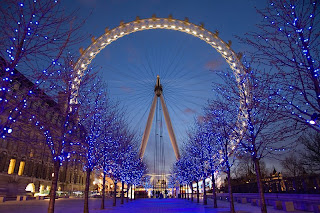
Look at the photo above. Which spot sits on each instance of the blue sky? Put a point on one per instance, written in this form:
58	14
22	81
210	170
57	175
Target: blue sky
184	63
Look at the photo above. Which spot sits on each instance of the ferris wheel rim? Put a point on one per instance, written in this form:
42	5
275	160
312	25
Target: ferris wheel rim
110	36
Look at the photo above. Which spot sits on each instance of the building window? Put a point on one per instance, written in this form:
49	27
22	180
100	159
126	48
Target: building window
11	166
21	167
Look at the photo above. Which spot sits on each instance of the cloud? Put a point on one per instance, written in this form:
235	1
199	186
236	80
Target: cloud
200	118
133	54
213	64
106	54
189	111
126	89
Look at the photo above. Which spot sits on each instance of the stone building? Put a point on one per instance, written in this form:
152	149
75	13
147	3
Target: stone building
25	160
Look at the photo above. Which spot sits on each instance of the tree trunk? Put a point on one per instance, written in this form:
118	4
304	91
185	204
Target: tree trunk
260	186
128	186
54	186
197	191
131	185
191	191
205	202
122	193
183	195
230	192
214	194
115	194
103	190
187	190
86	192
134	194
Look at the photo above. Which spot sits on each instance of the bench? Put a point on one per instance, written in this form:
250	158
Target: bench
39	197
284	205
255	202
24	198
241	200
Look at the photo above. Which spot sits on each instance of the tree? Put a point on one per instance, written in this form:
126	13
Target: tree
191	166
196	149
120	157
130	162
111	163
212	160
311	153
186	170
222	124
261	125
245	170
94	103
34	36
292	166
288	42
173	181
109	121
64	137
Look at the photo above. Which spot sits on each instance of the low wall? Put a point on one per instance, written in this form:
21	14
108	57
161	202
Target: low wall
304	202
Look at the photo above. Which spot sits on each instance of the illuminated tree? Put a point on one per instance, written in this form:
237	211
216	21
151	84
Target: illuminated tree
261	126
173	179
33	38
120	157
288	42
63	134
111	163
210	150
94	103
196	148
190	167
109	121
130	162
222	125
188	172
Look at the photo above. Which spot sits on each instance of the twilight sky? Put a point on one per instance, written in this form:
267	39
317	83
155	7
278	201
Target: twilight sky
185	64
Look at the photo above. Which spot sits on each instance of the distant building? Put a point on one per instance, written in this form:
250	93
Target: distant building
25	160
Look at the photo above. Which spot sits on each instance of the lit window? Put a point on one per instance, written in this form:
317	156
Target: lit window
21	168
11	166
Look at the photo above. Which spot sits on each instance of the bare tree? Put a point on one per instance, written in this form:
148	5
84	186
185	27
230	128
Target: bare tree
293	166
311	152
245	169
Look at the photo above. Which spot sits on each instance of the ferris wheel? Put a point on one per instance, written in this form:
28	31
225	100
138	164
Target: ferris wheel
134	65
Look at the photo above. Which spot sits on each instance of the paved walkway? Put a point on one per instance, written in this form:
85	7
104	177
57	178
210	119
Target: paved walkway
70	205
184	206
